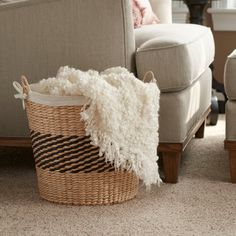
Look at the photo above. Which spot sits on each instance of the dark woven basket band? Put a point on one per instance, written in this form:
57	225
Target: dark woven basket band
71	154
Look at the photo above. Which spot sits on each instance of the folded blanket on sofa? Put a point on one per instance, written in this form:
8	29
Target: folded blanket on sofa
121	116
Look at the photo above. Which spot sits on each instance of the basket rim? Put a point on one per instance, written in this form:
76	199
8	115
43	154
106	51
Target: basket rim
55	100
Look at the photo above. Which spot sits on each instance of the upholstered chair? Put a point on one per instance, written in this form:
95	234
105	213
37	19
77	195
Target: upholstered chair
230	110
39	36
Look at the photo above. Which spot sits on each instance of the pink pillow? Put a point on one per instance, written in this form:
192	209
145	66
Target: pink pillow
137	14
142	13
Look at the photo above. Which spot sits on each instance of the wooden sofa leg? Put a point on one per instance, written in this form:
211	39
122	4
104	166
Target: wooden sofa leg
232	165
200	132
171	162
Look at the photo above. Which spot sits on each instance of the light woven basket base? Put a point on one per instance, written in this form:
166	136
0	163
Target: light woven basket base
87	188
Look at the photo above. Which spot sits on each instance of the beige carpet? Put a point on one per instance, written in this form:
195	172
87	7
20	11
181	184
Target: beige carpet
202	203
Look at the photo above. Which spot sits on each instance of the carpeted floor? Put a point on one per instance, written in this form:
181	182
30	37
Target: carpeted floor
202	203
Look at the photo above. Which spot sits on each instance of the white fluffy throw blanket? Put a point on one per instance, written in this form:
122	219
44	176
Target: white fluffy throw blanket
121	116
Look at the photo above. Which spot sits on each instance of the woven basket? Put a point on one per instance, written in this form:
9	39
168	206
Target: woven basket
69	169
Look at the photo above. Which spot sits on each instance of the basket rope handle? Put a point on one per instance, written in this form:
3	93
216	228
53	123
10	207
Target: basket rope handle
22	89
149	77
25	85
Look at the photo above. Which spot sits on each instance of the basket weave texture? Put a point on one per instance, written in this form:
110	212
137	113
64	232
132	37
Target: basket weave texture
69	169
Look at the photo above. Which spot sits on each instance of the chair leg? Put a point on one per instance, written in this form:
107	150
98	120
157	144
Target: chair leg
200	132
171	162
232	165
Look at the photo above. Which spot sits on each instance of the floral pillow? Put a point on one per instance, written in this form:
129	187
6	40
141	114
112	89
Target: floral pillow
137	14
142	13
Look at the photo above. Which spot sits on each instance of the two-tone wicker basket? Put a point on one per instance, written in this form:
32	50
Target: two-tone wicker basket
69	169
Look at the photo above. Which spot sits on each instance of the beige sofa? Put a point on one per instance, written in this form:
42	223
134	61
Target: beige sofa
38	36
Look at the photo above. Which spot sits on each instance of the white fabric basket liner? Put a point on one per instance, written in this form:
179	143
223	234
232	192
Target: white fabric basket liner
54	100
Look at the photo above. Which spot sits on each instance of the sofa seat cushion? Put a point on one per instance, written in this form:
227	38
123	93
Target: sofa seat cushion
180	111
230	76
177	53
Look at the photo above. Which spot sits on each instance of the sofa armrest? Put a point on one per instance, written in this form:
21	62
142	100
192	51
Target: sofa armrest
39	36
103	28
163	9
